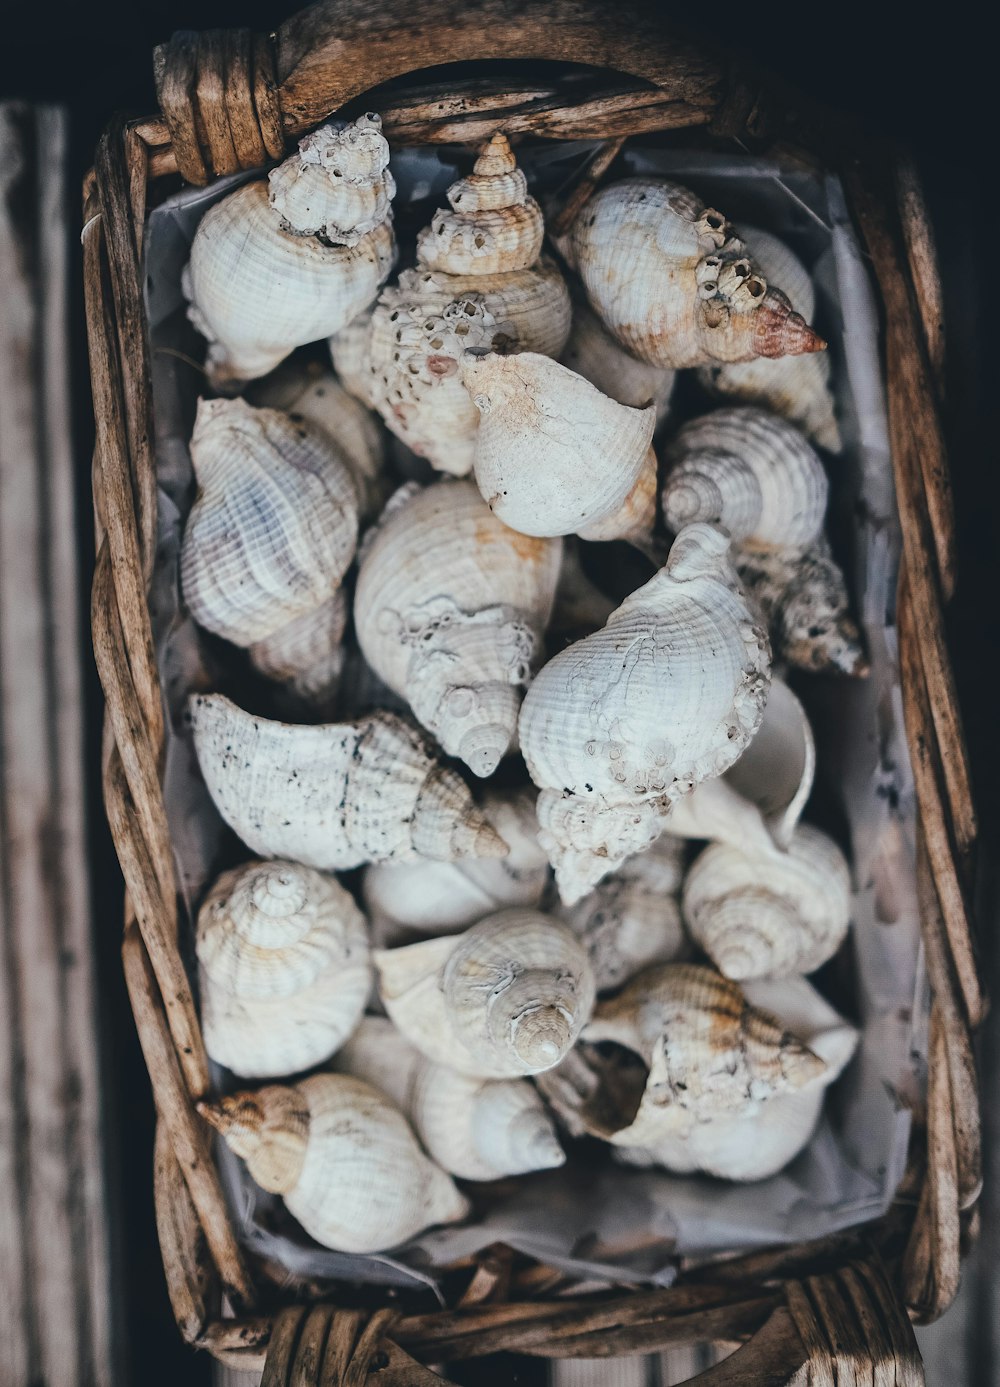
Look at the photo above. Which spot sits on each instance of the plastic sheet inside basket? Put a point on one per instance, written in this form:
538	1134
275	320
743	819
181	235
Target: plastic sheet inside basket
594	1217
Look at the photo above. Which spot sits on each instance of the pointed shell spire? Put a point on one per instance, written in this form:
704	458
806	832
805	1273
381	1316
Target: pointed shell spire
336	795
338	185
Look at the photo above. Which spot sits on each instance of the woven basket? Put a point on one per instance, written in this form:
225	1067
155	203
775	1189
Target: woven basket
232	101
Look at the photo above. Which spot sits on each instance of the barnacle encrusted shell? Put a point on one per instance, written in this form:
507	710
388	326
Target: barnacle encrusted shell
444	897
796	387
285	968
450	608
555	456
598	357
291	259
478	1129
508	997
671	280
306	656
336	795
274	524
749	471
343	1158
617	727
761	917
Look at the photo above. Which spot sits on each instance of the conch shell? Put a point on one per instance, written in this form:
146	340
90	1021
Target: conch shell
293	258
617	727
336	795
796	387
760	1141
594	354
670	279
407	898
761	917
506	998
449	610
477	1129
554	456
343	1158
478	285
285	968
274	526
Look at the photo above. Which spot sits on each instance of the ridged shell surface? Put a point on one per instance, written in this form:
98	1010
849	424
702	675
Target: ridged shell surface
274	525
450	610
337	185
285	968
618	726
306	656
336	795
594	354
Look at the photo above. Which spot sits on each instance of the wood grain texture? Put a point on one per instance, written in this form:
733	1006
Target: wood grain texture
55	1278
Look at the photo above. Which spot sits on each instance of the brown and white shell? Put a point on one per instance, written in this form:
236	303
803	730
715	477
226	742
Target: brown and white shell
672	281
620	725
450	610
285	968
594	354
336	795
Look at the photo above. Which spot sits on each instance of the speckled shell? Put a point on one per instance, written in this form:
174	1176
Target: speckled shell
796	387
670	279
306	657
620	725
449	610
477	1129
343	1158
274	525
336	795
506	998
760	1141
444	897
555	456
759	917
598	357
256	289
749	471
285	968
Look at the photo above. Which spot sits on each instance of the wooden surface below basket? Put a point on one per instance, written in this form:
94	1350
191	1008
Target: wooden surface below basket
229	101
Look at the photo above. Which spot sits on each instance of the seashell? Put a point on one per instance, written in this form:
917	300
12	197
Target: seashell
293	258
426	897
305	390
343	1158
335	795
759	1142
274	525
477	1129
307	656
594	354
285	968
632	918
506	998
709	1052
449	610
350	357
671	280
796	387
759	917
752	473
622	724
554	456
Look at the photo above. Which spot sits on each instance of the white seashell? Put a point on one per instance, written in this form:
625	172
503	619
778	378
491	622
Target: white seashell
477	1129
285	968
670	279
597	356
619	726
770	916
554	456
307	656
796	387
749	471
343	1158
506	998
444	897
261	281
449	610
759	1142
336	795
350	356
274	526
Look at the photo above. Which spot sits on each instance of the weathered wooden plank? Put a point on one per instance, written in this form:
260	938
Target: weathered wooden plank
54	1257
